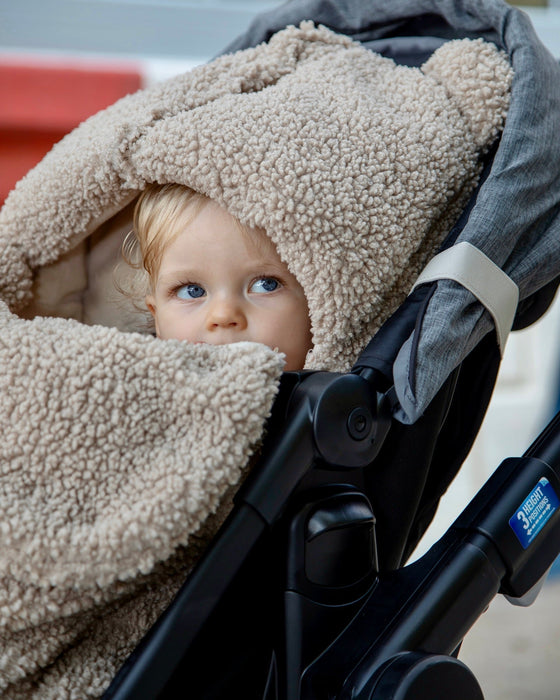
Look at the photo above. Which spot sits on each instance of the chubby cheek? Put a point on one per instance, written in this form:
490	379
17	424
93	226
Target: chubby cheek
296	350
172	325
292	336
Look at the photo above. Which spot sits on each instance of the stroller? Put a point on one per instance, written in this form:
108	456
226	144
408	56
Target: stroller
304	592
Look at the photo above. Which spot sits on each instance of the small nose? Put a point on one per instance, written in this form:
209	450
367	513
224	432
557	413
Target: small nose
225	313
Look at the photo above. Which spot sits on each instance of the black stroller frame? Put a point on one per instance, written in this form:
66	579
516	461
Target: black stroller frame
304	594
345	629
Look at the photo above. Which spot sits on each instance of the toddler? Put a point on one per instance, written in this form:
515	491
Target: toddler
211	279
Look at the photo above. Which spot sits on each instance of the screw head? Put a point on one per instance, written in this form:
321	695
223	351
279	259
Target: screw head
359	423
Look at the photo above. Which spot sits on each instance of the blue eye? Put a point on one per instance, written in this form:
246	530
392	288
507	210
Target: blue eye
264	285
190	291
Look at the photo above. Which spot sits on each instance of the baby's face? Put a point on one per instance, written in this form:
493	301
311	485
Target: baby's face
217	284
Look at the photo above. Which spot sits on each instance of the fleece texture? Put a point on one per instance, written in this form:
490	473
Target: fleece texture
119	448
116	448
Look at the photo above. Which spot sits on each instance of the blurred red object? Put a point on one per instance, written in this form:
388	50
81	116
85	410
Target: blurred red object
39	104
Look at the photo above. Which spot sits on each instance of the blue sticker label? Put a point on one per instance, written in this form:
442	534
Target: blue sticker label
535	511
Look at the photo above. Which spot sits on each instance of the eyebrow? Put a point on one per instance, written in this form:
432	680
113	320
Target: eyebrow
259	265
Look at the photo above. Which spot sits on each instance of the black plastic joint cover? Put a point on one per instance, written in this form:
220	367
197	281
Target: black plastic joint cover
350	422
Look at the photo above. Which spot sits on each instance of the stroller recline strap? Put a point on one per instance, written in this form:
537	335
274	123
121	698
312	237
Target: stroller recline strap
472	269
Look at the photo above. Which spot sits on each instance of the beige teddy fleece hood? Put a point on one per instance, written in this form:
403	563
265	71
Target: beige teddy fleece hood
118	448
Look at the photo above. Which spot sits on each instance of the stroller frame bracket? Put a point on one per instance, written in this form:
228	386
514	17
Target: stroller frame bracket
430	605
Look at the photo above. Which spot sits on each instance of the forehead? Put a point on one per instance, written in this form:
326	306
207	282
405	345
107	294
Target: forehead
211	224
212	236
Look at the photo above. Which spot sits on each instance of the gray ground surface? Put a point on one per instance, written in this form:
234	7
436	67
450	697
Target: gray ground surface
515	652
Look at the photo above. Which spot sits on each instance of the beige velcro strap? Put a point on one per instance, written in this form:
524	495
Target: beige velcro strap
472	269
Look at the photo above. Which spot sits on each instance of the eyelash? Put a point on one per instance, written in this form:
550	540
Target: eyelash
267	277
172	292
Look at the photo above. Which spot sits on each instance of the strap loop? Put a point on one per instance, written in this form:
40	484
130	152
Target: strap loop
471	268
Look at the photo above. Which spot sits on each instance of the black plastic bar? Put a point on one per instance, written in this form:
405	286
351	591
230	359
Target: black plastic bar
148	669
441	613
491	512
546	447
268	488
427	606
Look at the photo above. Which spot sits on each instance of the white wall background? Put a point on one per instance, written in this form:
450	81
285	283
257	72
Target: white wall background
165	36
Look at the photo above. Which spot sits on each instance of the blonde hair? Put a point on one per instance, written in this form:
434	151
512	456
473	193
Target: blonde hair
160	214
